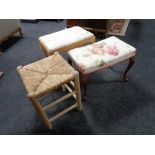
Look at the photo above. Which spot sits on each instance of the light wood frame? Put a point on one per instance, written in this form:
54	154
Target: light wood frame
75	93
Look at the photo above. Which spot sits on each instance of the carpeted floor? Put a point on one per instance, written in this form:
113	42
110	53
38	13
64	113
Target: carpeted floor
113	107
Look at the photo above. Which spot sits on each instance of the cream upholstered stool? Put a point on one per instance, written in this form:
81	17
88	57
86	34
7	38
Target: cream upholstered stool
47	75
101	55
65	40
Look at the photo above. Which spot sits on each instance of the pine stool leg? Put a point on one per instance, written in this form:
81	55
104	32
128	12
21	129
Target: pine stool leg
78	92
40	111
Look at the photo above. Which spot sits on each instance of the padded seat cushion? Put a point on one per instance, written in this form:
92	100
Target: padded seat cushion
66	39
103	53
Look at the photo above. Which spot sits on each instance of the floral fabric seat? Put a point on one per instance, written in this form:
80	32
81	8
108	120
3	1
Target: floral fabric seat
101	54
65	40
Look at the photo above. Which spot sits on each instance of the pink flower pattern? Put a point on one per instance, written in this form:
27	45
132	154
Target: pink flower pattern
98	49
112	50
101	50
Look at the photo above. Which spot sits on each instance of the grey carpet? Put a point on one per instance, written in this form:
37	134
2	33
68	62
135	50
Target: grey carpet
112	107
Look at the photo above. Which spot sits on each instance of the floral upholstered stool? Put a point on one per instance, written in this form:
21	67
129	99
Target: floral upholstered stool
65	40
101	55
45	76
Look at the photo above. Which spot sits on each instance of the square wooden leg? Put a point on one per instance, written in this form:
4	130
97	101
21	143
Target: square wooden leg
40	111
84	79
77	90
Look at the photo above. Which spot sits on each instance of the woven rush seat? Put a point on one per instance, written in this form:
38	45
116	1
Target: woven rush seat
65	40
101	55
46	75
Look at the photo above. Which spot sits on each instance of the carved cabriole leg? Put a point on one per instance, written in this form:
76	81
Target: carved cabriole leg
77	90
40	111
84	79
131	63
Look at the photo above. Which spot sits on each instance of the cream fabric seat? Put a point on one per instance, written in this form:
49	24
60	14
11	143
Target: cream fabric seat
65	40
103	53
